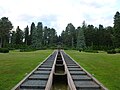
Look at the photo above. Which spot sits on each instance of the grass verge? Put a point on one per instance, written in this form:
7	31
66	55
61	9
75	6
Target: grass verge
105	67
15	65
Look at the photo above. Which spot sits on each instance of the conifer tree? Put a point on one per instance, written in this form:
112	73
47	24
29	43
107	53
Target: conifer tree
81	39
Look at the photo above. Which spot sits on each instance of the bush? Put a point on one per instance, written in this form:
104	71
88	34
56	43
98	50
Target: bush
111	51
4	50
65	48
73	48
79	49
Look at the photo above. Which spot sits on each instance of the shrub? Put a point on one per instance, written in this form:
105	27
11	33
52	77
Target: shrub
65	48
4	50
79	49
111	51
74	48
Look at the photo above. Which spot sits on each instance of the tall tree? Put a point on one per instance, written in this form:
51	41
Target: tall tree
32	32
101	35
63	37
81	39
70	35
108	37
5	27
39	35
27	35
52	37
117	29
89	35
19	36
45	36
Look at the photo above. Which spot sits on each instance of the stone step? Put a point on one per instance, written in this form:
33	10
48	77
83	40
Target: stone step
42	72
75	69
74	66
44	69
34	84
81	78
46	66
77	73
86	85
38	77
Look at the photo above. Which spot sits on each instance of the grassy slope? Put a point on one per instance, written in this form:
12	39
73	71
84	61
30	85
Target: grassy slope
15	65
105	67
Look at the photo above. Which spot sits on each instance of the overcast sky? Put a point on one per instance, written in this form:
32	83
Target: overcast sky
58	13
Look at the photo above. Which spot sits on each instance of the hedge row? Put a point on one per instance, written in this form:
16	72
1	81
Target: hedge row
113	51
4	50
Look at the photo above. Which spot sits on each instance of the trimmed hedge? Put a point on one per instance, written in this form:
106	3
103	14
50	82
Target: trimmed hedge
4	50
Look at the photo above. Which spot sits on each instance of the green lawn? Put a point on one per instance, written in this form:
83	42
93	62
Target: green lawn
15	65
105	67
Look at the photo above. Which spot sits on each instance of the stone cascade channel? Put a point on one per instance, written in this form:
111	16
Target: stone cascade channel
81	78
59	76
59	72
38	78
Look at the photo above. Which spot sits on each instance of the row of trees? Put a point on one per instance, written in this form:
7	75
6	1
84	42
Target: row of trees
87	36
90	37
39	37
36	37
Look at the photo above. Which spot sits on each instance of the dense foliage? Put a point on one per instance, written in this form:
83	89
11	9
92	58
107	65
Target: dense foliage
41	37
36	37
5	27
93	38
4	50
89	37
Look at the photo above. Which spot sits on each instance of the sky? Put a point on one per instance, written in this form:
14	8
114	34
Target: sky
58	13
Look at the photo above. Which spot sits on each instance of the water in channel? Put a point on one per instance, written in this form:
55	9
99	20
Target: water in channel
59	77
